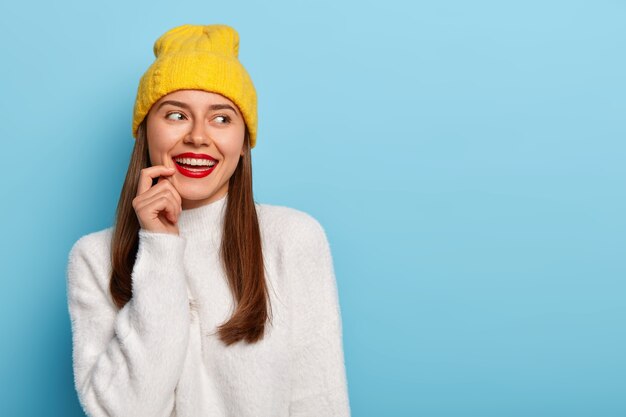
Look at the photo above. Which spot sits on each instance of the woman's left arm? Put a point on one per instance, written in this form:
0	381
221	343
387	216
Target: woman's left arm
319	382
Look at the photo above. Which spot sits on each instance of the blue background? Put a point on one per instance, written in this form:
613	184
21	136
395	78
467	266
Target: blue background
466	159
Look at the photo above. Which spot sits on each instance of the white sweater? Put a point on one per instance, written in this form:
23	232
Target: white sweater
160	356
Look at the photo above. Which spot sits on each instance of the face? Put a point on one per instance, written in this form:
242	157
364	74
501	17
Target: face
207	125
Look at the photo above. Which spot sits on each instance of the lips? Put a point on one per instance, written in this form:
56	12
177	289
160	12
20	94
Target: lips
194	165
195	155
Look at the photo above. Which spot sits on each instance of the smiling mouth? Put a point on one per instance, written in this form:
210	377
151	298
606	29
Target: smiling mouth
195	167
195	163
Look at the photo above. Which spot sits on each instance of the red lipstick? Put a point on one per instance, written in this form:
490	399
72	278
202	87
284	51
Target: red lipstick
194	171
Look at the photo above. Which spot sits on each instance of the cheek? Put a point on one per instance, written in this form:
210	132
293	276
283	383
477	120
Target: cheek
234	144
159	148
233	156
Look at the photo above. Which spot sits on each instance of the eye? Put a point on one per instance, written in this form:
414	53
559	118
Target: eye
167	116
226	119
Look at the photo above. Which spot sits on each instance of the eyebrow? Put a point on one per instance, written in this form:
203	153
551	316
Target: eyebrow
186	106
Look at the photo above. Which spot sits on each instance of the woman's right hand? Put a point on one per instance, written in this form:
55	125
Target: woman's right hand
157	207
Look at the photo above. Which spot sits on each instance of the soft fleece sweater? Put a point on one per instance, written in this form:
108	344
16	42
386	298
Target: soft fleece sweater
160	356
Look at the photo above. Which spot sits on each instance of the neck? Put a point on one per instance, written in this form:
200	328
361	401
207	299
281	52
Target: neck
202	222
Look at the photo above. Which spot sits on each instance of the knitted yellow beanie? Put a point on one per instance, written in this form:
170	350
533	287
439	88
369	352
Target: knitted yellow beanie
201	57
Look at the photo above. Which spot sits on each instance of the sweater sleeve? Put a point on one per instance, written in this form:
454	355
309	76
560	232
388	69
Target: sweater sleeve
127	361
319	382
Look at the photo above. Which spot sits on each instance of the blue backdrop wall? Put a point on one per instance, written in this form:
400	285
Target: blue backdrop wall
466	159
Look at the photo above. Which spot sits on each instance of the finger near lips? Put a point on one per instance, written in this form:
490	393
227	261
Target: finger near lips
148	174
167	183
167	176
159	199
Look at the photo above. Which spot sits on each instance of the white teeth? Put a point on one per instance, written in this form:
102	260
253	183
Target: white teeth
196	162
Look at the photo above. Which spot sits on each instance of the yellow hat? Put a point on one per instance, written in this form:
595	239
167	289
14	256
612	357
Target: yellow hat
200	57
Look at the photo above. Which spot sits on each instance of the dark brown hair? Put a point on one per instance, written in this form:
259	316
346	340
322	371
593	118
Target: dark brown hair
240	251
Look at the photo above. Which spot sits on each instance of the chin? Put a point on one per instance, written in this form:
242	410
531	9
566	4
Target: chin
191	196
194	196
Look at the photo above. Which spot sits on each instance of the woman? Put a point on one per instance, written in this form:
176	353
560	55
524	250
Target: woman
199	301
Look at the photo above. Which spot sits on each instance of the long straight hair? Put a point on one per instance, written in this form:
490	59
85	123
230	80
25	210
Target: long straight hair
241	252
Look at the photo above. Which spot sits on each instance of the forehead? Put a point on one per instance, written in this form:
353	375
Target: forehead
196	96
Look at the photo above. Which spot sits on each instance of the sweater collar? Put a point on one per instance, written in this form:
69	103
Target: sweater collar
203	221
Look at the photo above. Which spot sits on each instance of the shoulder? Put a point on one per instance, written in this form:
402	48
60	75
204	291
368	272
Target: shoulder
94	243
289	225
91	253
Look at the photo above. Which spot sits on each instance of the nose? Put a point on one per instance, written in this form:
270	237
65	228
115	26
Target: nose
198	134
